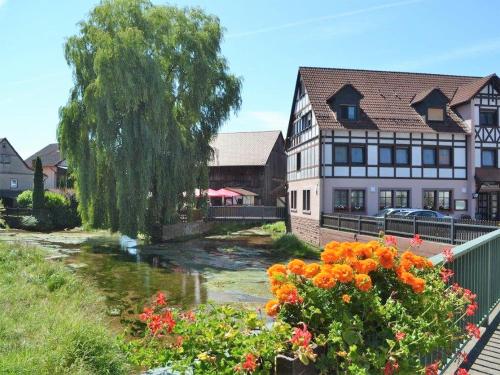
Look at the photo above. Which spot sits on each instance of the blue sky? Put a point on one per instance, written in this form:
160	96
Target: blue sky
266	41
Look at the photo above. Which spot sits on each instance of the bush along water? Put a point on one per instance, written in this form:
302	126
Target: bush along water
59	211
365	307
376	311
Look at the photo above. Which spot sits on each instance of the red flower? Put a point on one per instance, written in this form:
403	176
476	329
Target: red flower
465	357
432	369
168	321
416	241
390	367
400	336
301	337
446	274
462	371
146	315
471	309
473	330
189	316
160	299
448	255
469	295
391	241
250	364
179	340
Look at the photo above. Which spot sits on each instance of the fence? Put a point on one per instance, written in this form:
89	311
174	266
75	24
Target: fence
447	230
246	213
476	264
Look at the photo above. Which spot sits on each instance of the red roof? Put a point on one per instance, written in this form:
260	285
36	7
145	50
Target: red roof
387	98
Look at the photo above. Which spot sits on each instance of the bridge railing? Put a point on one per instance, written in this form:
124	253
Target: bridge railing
246	213
476	266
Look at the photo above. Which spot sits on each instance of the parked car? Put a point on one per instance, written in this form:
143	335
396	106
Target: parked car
388	212
409	213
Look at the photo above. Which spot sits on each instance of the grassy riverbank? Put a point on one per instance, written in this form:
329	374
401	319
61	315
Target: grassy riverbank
287	244
51	322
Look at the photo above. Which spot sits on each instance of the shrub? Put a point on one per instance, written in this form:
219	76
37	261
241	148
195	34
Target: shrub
59	211
25	199
375	310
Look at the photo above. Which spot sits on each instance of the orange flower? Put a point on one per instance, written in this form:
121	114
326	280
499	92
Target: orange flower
276	268
288	293
385	257
297	267
363	282
324	280
330	256
349	250
365	251
272	307
418	285
346	298
332	245
312	270
275	284
365	265
343	273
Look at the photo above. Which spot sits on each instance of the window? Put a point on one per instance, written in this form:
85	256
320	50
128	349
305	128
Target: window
429	156
358	155
299	160
445	156
460	204
488	117
429	200
13	183
402	155
385	155
4	159
444	200
293	200
394	198
306	200
340	155
488	158
348	112
435	114
340	201
385	199
357	200
401	198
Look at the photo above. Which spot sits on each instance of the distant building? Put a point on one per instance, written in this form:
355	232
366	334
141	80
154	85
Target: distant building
54	166
252	164
15	175
360	141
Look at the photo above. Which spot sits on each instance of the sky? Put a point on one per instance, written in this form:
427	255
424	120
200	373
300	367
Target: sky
265	42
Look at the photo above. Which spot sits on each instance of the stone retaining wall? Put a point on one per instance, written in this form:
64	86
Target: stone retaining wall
180	230
306	229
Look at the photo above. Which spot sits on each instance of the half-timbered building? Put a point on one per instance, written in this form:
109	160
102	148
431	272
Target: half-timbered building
359	141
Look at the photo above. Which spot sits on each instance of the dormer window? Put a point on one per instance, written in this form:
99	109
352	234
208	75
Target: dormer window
435	114
348	112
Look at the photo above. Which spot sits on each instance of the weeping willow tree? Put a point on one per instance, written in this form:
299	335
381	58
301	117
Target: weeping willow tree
151	89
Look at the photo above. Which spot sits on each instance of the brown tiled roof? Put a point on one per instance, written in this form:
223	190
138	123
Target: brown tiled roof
49	155
422	95
468	91
387	98
243	149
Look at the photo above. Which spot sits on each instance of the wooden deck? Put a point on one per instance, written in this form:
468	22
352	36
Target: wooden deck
485	357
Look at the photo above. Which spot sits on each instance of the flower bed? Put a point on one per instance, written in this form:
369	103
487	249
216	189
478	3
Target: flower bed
364	309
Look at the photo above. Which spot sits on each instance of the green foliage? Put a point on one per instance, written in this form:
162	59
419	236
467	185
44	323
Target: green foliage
151	90
215	340
278	227
59	211
38	190
288	245
51	322
25	199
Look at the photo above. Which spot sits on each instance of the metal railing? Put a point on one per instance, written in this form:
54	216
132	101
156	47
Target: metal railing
447	230
246	213
476	265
